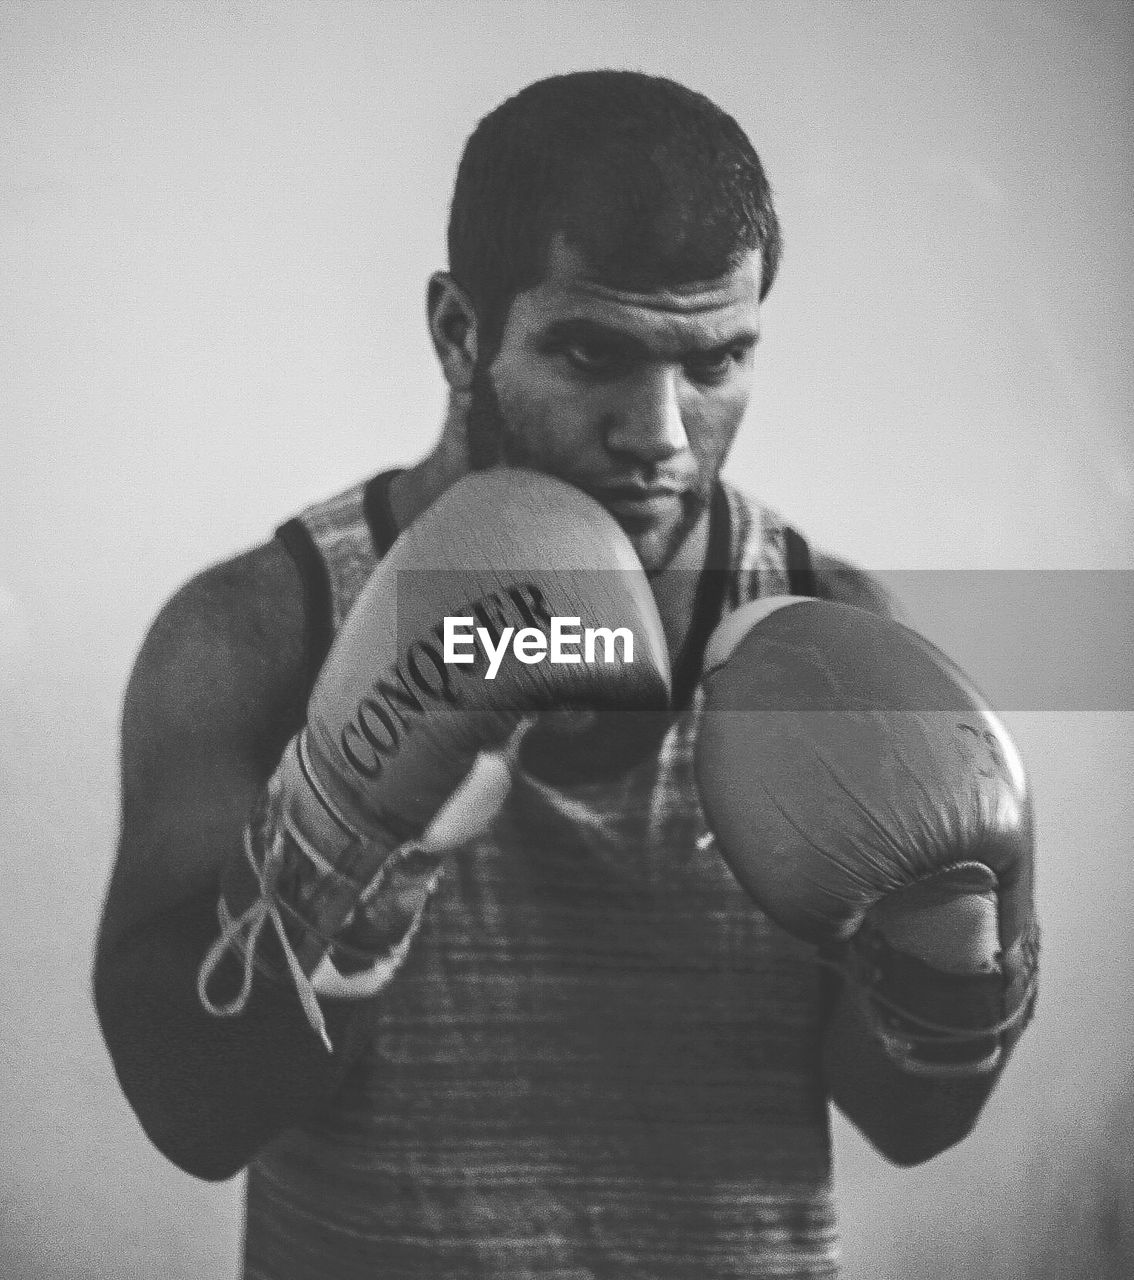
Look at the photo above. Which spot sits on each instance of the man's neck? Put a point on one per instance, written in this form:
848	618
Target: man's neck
419	486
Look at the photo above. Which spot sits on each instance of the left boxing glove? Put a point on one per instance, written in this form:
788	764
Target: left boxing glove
870	801
357	809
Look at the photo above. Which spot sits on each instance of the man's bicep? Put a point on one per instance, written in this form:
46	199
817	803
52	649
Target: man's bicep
209	706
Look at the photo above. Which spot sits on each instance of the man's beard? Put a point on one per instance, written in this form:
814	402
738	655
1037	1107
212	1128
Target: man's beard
493	442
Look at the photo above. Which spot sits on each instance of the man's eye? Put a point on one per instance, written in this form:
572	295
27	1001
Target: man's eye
716	368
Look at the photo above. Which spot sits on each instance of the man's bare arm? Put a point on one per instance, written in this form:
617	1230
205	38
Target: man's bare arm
217	691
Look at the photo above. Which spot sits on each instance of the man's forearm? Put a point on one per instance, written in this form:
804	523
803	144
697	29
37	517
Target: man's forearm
210	1092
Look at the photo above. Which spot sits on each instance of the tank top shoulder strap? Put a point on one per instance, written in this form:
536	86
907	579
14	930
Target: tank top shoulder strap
752	552
335	545
767	556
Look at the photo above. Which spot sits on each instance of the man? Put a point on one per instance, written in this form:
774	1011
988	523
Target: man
577	1047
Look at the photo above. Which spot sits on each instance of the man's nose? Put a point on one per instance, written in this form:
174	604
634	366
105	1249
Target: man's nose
650	425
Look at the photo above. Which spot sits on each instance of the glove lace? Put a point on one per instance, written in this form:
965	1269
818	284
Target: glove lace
242	935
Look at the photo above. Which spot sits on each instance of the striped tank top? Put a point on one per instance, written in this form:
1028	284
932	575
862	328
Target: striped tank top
600	1060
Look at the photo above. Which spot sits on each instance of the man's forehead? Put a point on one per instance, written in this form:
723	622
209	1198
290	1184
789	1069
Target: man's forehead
570	283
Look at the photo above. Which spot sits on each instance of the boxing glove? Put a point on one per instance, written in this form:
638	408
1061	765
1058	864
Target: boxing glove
381	777
870	801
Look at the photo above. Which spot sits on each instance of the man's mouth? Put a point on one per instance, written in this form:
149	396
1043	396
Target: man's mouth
639	501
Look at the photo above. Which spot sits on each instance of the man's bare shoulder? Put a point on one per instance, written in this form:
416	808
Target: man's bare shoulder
229	647
842	581
217	689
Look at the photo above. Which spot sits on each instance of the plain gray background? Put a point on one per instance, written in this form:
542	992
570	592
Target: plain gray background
217	223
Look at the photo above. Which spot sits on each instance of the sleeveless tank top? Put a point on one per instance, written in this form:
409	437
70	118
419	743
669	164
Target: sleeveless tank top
600	1059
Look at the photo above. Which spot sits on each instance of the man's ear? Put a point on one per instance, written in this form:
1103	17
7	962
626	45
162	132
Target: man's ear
453	329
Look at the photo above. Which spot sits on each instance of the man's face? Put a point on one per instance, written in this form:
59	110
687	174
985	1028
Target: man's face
633	397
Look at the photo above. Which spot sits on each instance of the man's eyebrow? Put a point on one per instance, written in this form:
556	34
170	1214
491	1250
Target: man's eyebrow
745	338
581	329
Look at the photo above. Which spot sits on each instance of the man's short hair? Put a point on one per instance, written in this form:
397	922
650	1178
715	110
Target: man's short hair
654	184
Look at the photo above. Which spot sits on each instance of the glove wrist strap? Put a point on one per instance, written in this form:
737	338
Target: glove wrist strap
937	1024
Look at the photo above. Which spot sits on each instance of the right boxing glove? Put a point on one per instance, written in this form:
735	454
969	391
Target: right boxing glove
356	809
